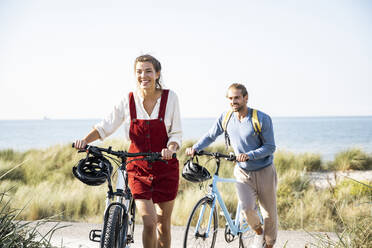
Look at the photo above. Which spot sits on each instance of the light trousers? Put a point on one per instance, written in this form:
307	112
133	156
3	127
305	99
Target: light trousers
259	185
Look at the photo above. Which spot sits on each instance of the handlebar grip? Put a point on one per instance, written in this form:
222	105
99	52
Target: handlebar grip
201	152
73	146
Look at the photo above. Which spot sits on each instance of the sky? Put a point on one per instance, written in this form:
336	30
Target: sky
74	59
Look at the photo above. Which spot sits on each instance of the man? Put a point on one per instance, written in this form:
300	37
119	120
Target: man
255	172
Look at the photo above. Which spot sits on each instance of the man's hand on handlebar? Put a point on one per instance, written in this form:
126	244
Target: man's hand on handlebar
242	157
190	151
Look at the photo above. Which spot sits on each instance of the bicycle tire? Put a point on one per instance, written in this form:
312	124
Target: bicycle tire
115	228
192	239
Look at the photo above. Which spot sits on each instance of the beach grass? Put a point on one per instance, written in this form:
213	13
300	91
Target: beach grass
351	159
16	233
43	180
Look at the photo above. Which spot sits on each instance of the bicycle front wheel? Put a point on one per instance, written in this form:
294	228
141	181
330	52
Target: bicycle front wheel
198	233
115	228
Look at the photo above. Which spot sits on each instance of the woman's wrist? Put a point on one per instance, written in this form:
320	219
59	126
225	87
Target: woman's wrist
173	147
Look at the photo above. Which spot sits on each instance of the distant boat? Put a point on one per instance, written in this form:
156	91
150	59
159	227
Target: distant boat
46	118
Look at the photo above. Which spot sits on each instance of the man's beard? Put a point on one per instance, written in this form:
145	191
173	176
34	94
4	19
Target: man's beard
237	108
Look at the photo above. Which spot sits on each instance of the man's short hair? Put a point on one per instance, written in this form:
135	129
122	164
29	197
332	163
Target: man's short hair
239	87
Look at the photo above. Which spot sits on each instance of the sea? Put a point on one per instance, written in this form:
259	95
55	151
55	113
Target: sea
326	136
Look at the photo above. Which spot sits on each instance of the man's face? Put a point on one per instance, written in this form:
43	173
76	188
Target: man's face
236	99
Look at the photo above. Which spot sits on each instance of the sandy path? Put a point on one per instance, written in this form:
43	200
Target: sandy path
325	179
75	235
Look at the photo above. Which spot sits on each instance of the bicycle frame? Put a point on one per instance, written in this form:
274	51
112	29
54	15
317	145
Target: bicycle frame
216	196
121	185
234	224
119	213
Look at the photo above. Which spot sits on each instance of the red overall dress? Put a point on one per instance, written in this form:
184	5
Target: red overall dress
158	180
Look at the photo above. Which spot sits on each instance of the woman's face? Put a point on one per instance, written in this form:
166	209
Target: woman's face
146	75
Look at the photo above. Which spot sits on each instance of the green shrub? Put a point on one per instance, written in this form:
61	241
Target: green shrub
354	233
352	159
310	162
10	155
11	171
284	161
352	189
293	182
15	234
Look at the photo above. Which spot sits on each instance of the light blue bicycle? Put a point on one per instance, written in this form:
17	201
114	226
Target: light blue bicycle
202	225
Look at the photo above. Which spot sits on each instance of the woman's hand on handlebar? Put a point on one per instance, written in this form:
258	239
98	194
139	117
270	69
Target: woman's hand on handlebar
80	144
167	153
92	136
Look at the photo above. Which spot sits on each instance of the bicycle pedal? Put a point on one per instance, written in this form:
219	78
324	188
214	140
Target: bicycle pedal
95	235
229	237
130	239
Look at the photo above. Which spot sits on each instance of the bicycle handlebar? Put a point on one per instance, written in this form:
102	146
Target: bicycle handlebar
230	157
123	154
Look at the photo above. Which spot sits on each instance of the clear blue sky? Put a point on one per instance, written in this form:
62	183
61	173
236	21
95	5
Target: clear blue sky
74	59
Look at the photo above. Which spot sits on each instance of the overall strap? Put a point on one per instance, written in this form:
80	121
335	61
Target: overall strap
163	104
132	107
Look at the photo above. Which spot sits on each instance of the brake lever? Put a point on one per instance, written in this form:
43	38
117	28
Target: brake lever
232	157
94	151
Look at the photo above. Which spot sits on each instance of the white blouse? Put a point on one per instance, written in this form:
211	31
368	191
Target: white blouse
121	114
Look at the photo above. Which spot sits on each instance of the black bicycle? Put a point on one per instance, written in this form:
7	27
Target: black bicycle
119	214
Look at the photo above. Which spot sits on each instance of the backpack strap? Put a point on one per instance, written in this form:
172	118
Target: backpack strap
226	120
224	127
255	122
256	125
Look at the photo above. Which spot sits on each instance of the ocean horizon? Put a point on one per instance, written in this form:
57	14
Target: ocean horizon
323	135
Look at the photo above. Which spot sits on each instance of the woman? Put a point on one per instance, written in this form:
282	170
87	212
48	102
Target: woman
152	123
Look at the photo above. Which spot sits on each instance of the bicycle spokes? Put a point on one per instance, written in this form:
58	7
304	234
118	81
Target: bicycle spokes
202	225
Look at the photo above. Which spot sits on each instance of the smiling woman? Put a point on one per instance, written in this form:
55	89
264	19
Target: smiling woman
152	123
148	69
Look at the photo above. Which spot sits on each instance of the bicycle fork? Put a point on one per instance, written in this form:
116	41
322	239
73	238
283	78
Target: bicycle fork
201	215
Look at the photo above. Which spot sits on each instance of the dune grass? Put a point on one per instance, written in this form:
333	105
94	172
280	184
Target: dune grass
15	233
45	181
352	159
